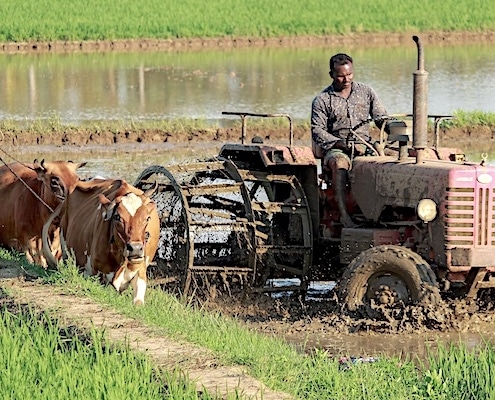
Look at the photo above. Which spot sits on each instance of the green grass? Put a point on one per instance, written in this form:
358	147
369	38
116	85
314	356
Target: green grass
34	350
270	359
54	126
454	372
169	19
471	119
41	358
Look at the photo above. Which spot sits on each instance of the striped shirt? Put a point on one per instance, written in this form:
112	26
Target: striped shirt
332	115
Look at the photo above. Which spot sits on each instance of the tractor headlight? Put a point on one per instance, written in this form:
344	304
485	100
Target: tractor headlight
427	210
484	178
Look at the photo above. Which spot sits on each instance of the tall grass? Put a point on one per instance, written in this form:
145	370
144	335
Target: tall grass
455	372
42	359
471	119
169	19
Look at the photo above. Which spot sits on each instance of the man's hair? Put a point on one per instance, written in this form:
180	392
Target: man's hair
339	59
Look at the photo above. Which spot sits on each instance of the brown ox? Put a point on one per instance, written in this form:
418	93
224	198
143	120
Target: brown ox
29	193
113	229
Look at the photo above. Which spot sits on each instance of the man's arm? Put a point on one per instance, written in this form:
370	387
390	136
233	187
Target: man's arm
319	125
377	109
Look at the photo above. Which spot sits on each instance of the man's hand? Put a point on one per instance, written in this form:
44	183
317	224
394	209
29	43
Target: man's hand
359	149
341	145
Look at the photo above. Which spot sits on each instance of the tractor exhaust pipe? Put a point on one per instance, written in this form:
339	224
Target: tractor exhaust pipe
420	105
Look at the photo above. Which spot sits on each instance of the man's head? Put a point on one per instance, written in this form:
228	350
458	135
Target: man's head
341	71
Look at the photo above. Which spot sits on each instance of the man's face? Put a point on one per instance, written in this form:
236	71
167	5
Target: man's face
342	76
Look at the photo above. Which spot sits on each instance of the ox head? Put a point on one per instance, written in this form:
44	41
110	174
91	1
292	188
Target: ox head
129	216
59	177
133	221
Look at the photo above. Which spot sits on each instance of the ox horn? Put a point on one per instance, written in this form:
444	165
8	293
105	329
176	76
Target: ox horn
39	166
149	192
47	250
41	163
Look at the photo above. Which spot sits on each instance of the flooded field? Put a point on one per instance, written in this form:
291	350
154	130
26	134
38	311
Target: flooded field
157	85
117	161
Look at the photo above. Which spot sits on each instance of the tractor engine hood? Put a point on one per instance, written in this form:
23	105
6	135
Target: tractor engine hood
377	182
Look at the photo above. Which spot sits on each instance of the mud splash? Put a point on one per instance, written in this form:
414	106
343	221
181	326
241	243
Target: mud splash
320	324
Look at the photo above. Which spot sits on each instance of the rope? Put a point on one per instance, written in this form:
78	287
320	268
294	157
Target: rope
13	158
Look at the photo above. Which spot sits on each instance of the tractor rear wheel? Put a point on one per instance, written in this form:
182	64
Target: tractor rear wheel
387	277
224	229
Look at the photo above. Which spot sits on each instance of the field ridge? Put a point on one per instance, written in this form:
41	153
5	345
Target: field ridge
350	40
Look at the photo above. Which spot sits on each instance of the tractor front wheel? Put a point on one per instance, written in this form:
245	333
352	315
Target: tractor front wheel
387	277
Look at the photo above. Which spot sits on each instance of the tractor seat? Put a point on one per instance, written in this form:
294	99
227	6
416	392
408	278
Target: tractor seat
317	150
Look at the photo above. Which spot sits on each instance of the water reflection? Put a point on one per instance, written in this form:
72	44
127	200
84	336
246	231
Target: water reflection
201	84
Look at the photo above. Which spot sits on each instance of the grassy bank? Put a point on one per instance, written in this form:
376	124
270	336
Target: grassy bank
471	119
453	372
187	126
168	19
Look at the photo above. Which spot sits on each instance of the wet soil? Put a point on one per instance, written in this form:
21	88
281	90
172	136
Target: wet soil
83	136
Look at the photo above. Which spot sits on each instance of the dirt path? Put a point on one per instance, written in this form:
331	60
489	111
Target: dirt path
198	363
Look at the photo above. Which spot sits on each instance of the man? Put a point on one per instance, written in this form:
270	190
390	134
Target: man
338	108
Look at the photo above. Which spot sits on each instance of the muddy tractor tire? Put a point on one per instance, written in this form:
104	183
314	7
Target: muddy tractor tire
389	277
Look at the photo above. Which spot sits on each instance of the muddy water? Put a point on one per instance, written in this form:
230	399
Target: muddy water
125	161
412	346
128	161
313	334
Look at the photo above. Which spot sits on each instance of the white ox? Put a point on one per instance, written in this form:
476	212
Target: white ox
113	229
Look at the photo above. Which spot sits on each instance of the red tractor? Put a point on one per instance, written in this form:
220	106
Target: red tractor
259	211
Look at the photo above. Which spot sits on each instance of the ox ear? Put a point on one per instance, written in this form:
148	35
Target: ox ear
107	206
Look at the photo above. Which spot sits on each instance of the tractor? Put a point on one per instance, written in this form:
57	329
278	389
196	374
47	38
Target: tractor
259	211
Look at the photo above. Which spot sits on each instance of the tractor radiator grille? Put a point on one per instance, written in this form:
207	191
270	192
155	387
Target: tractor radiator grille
469	217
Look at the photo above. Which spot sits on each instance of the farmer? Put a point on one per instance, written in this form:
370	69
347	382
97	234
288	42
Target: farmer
341	106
